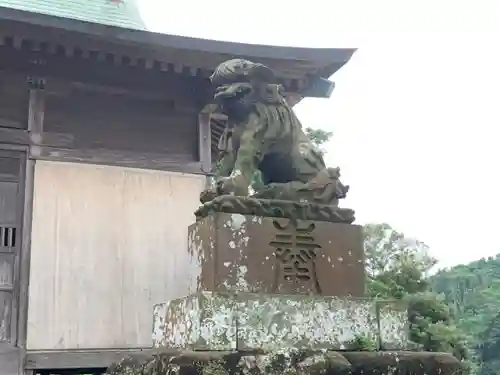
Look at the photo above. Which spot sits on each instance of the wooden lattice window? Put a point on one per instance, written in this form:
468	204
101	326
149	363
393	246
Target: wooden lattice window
7	237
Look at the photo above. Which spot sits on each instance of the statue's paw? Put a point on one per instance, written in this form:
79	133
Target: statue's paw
226	186
232	186
207	195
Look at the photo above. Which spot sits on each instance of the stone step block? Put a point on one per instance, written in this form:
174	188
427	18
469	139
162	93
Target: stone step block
250	321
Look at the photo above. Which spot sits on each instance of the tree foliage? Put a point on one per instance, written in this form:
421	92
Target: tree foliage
319	138
472	291
488	350
397	267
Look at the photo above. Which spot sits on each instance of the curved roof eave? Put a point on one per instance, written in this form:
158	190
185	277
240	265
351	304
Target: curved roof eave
326	56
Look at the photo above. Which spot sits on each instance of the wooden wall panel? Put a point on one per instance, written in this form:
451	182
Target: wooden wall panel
120	122
5	315
9	169
107	244
13	101
6	271
8	205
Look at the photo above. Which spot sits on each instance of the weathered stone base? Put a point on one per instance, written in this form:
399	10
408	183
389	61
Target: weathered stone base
255	254
293	363
245	321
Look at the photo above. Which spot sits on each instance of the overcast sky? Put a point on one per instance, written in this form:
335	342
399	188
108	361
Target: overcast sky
414	114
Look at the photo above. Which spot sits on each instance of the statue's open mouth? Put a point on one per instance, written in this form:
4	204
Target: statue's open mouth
235	91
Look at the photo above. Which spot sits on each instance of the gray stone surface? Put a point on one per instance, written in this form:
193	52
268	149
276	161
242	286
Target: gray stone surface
246	321
393	325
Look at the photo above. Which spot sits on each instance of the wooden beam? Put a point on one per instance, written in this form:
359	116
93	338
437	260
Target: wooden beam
34	135
14	136
97	359
25	137
6	177
81	359
93	71
116	158
13	147
64	87
52	139
8	123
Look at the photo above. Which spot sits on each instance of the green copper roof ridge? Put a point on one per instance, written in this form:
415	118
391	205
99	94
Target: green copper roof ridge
119	13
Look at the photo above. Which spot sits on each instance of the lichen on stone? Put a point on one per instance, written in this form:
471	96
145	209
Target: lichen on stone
247	321
393	324
271	322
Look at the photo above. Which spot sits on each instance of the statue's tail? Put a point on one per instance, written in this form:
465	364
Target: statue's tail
326	187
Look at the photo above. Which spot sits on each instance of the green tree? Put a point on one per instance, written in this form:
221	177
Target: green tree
489	349
472	291
397	267
318	137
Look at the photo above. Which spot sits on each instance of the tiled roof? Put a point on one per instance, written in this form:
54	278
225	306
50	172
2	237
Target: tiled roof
121	13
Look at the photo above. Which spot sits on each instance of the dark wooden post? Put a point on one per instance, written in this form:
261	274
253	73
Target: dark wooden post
36	110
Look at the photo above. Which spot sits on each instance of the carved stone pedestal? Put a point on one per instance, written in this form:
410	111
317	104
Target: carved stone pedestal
275	255
281	296
269	283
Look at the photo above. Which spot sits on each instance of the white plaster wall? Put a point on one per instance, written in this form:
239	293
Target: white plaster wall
107	244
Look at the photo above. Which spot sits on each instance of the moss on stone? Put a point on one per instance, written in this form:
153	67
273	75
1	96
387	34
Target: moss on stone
395	363
292	362
217	367
363	343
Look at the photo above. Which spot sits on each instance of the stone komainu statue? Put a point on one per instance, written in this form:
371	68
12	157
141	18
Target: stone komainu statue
264	134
